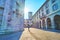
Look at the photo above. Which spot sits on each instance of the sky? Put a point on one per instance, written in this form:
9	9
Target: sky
32	6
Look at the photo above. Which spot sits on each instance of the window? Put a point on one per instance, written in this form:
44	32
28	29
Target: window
39	12
8	24
55	7
1	10
47	11
53	1
1	15
42	14
2	2
0	22
42	10
9	20
39	16
46	5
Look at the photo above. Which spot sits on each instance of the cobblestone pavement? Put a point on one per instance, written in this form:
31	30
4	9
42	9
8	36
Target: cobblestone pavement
38	34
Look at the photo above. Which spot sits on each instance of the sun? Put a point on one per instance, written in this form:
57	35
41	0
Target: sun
26	10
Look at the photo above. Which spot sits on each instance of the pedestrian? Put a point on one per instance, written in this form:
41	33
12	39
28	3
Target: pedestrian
28	26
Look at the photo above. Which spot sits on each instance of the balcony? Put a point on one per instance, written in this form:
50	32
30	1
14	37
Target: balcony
9	18
41	17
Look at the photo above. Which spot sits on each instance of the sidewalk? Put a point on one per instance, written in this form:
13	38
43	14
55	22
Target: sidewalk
26	35
38	34
11	36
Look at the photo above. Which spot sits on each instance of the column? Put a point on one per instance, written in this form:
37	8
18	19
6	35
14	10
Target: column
5	15
52	23
46	23
41	24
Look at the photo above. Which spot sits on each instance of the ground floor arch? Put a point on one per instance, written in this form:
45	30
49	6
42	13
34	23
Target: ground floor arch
43	24
57	22
49	23
40	24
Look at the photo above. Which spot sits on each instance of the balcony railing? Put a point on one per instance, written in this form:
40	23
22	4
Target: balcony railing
42	16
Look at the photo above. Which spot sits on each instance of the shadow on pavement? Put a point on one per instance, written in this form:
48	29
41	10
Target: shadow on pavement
50	30
12	36
33	35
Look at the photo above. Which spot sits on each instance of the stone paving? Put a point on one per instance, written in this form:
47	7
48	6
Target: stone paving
38	34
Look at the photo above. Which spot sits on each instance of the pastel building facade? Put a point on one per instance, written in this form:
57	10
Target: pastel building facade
30	18
11	15
48	15
26	22
35	20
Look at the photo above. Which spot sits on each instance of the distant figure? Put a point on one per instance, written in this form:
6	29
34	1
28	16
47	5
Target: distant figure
28	26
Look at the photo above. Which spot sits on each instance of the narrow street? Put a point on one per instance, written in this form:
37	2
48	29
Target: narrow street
38	34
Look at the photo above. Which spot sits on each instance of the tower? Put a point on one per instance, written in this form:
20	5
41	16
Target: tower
30	18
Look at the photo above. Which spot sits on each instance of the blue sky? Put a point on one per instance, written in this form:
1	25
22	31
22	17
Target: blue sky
33	6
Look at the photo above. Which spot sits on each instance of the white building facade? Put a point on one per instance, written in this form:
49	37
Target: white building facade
12	15
49	15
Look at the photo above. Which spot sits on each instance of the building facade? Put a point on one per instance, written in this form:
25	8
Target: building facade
26	22
30	15
35	20
48	15
30	18
11	15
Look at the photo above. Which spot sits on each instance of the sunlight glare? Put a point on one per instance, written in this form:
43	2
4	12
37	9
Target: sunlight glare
26	10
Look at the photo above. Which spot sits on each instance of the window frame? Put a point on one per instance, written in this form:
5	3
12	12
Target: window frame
53	1
47	11
55	7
